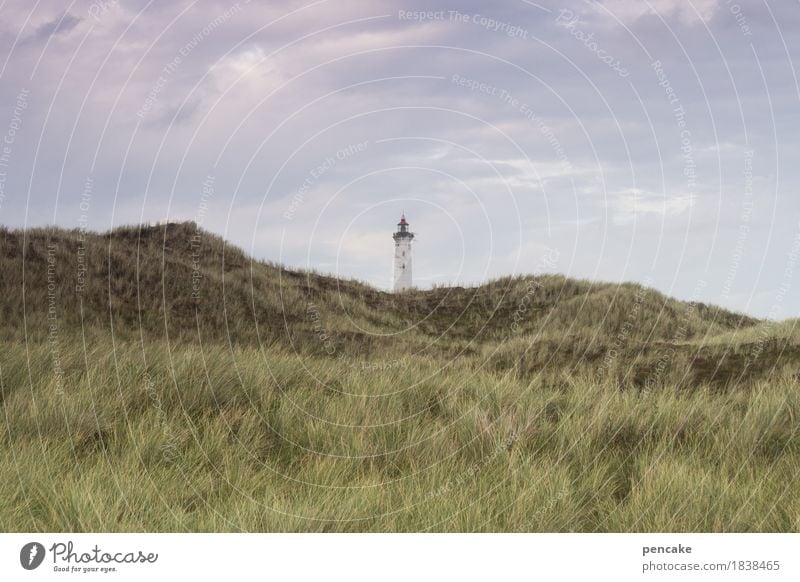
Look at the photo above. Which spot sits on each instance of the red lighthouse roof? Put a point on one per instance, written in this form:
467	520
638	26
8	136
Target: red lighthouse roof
402	230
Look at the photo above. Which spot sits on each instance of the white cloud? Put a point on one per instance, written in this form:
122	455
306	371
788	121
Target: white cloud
630	203
248	67
521	172
688	11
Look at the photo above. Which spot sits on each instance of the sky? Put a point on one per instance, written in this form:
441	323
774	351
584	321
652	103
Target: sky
653	141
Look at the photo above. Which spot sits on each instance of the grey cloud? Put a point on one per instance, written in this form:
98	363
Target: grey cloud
58	26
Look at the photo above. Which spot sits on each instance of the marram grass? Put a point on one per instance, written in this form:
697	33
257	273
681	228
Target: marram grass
158	379
240	439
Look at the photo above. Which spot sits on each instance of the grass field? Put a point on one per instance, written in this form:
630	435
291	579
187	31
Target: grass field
159	379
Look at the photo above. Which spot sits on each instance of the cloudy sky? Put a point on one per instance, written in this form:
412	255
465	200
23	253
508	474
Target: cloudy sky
639	140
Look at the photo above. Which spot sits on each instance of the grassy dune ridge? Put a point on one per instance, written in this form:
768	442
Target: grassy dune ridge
160	379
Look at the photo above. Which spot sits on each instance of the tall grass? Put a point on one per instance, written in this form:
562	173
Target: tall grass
221	439
184	387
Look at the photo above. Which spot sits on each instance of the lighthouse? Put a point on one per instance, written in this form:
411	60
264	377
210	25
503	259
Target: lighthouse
402	255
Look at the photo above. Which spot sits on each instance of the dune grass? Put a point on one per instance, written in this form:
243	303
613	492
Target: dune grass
221	439
158	379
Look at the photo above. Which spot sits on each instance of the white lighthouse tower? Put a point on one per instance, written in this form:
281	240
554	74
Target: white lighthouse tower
402	256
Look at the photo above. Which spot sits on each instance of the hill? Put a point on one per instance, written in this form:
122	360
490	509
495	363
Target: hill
159	266
157	378
184	284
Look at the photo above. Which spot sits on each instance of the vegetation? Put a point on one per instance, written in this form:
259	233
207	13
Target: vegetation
156	378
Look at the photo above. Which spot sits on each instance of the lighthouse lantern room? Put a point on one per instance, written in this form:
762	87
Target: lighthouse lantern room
403	238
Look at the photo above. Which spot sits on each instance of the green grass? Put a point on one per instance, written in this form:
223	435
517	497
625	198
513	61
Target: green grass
216	439
286	401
